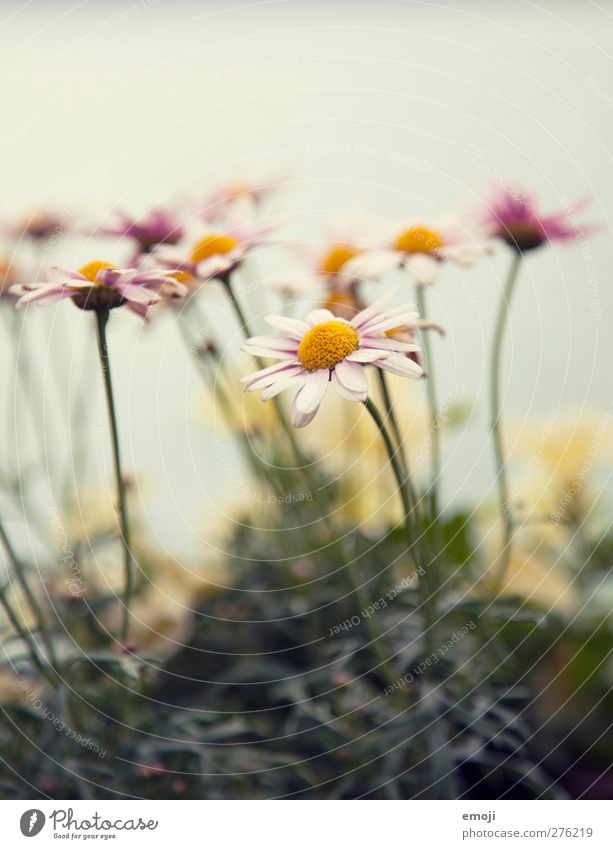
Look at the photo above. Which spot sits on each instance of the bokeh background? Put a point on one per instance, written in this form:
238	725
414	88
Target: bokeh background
395	108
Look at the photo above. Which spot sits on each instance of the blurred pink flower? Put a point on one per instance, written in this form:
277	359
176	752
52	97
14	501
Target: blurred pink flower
511	215
41	225
325	350
155	227
100	286
220	249
230	192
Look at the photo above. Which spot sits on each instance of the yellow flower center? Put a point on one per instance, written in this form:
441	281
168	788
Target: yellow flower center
212	244
92	268
235	190
181	276
326	344
336	258
418	240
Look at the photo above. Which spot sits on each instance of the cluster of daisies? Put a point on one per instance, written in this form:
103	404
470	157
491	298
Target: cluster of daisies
175	252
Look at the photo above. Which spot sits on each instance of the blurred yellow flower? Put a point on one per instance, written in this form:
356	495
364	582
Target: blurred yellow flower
560	460
534	572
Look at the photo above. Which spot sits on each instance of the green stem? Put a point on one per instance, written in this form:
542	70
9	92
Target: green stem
391	415
21	630
217	390
301	461
435	457
435	474
439	775
501	472
409	525
102	317
27	591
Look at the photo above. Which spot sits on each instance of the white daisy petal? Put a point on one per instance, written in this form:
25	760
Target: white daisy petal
367	355
309	397
257	351
375	309
319	316
396	312
405	320
280	386
275	343
312	392
294	328
402	366
270	371
383	343
353	377
371	265
345	393
422	268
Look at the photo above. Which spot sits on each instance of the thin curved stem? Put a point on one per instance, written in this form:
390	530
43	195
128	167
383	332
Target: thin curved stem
499	457
439	775
287	427
435	472
102	317
33	602
409	526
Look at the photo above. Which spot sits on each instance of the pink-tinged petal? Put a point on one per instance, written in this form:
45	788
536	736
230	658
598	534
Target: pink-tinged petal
156	278
367	355
269	353
309	397
171	257
138	294
353	377
401	366
384	314
378	328
139	309
240	214
294	328
342	390
57	276
44	296
301	419
275	343
422	268
281	386
174	289
116	277
382	343
215	265
265	376
320	316
371	265
364	316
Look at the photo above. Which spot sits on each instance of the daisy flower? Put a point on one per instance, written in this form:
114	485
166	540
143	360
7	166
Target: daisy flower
348	236
511	215
420	249
155	227
239	189
325	350
41	225
217	251
99	285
